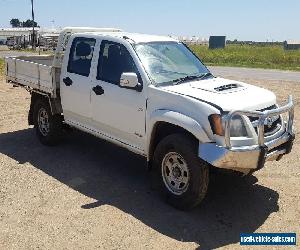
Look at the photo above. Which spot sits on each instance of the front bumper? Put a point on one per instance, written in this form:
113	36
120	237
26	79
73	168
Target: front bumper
251	157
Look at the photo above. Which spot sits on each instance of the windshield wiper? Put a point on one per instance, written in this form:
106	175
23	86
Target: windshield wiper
192	77
205	75
185	79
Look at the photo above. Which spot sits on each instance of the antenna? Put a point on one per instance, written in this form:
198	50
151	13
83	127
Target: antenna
53	26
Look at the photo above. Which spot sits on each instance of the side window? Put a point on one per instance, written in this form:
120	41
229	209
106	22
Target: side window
114	60
81	55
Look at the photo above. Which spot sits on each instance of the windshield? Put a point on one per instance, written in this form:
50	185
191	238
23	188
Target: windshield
167	62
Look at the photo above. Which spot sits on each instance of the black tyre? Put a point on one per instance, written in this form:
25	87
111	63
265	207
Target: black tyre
179	172
48	127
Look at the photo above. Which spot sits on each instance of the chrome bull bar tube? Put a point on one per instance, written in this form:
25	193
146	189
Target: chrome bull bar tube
262	116
251	158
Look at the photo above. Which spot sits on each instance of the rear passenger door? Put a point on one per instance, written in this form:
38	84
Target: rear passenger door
75	81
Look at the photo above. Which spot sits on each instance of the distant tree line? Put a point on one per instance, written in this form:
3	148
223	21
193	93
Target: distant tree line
267	43
16	23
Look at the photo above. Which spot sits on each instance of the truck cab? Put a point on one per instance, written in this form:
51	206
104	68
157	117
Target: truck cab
154	96
91	73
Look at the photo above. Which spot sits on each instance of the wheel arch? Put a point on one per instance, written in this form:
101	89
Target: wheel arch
54	104
165	122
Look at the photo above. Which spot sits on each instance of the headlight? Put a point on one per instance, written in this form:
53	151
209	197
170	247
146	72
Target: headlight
216	124
237	125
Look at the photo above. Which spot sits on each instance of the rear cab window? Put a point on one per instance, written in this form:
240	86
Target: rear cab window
81	55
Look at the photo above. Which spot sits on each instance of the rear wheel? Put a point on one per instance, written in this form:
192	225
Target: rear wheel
179	172
48	127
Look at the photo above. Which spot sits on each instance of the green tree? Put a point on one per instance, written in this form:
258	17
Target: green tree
15	22
29	23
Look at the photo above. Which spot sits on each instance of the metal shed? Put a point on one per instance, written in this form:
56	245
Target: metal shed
291	45
217	42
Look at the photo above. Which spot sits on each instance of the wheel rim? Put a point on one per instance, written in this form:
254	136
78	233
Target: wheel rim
43	122
175	173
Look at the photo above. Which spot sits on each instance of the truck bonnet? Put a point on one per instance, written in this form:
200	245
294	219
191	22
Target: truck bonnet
226	94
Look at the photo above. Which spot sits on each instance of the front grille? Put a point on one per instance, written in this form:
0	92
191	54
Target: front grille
273	124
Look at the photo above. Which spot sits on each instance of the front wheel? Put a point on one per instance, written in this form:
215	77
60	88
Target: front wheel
48	127
179	172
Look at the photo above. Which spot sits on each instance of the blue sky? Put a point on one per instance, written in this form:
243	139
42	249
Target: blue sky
244	20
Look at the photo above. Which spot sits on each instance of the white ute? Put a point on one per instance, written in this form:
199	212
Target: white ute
153	96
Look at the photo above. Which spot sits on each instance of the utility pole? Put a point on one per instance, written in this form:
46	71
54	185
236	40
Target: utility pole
33	31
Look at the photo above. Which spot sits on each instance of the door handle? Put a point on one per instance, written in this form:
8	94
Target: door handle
68	81
98	90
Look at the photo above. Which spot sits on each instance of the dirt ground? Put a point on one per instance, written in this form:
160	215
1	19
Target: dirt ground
86	193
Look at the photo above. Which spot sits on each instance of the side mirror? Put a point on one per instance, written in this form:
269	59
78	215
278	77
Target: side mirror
129	81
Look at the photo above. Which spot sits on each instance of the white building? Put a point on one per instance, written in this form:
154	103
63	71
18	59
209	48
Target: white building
16	32
23	36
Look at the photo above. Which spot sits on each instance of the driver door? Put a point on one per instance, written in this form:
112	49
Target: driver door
118	112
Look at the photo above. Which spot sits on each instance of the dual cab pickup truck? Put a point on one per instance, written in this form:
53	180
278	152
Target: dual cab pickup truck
153	96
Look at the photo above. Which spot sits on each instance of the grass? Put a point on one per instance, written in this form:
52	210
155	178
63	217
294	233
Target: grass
269	57
1	67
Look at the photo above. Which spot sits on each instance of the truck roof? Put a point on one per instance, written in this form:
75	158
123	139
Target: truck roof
136	37
108	32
